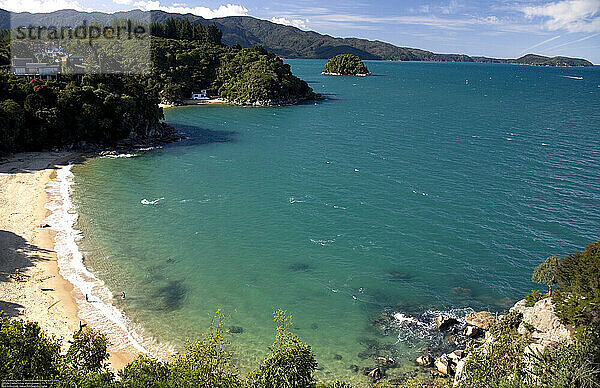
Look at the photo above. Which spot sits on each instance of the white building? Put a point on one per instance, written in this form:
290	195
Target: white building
25	67
203	95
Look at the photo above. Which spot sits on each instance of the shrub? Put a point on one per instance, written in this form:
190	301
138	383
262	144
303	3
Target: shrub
498	363
291	362
88	351
532	298
570	365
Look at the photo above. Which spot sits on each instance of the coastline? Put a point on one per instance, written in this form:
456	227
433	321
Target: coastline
39	292
195	102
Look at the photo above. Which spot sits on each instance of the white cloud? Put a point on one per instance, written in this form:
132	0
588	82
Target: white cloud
123	2
299	23
39	5
570	15
207	13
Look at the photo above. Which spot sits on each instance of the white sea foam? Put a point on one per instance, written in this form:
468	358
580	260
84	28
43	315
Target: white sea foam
423	327
99	312
322	242
153	202
120	156
149	148
406	319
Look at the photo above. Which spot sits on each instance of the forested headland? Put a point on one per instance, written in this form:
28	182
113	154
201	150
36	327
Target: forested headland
104	108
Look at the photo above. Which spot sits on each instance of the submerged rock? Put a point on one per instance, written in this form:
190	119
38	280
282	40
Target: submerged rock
236	329
462	291
481	319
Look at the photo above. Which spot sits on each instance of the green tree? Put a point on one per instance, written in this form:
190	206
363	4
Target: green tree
88	351
207	362
291	363
26	352
12	122
577	297
547	272
144	372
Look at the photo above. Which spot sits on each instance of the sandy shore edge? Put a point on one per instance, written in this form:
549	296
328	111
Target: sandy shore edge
38	293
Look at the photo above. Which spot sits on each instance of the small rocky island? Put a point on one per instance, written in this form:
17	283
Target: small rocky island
345	64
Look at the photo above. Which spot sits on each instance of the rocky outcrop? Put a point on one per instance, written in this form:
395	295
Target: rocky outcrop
541	323
449	364
481	319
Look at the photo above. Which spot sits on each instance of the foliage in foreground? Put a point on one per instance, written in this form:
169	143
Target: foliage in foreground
26	353
291	362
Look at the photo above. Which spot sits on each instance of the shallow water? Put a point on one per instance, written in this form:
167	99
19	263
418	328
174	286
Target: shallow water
427	187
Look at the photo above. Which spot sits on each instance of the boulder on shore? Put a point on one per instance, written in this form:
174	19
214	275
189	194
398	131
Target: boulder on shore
376	374
424	360
472	331
444	365
481	319
385	361
443	322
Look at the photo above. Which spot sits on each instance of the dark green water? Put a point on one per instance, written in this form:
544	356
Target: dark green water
387	196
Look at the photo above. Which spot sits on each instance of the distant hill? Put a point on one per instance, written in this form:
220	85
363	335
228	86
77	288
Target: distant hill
285	41
540	60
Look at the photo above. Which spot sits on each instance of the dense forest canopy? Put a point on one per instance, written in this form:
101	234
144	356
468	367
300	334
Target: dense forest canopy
345	64
104	108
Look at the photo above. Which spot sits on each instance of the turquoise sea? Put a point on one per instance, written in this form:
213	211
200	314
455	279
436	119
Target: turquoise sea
427	187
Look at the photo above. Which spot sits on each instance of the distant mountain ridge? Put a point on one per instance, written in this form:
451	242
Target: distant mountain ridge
285	41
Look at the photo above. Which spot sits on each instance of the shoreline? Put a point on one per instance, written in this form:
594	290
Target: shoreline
37	291
195	102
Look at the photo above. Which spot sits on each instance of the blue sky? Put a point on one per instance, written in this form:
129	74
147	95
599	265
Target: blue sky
498	28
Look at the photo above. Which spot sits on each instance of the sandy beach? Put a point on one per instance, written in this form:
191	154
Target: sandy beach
31	287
